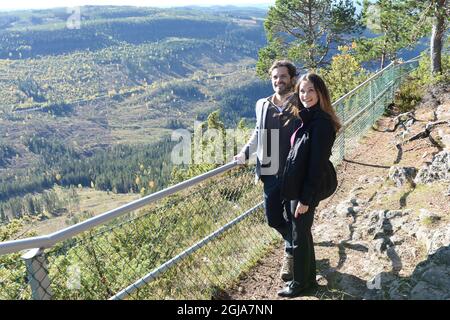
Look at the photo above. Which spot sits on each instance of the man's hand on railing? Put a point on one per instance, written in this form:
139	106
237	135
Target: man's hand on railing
240	158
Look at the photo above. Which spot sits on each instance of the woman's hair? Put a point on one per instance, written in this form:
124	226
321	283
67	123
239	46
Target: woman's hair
295	104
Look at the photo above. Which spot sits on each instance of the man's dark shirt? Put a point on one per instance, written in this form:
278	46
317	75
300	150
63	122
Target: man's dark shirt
277	120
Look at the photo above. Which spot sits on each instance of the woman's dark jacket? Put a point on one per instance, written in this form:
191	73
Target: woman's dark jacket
303	176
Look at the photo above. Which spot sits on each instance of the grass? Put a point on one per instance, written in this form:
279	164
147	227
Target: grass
429	221
225	260
114	255
430	196
92	202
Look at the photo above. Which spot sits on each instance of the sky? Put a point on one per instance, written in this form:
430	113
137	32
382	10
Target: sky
42	4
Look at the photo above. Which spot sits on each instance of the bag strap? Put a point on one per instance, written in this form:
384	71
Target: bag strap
293	135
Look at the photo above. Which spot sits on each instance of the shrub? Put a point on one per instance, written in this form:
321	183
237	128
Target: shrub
344	73
409	94
423	73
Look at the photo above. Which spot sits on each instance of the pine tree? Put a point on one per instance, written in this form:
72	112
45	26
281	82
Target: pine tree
401	23
393	21
306	30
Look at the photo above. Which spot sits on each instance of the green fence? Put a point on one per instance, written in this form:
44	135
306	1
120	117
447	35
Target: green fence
361	107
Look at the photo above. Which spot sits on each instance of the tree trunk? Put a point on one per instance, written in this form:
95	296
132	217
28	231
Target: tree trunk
383	52
383	60
437	37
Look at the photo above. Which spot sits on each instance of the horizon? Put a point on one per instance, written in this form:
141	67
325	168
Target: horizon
23	5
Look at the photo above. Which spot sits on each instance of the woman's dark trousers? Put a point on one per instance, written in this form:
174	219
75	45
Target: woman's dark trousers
303	246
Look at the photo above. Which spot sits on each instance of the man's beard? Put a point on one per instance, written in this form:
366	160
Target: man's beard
287	89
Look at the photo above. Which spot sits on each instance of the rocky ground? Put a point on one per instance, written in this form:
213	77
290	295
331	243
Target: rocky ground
385	233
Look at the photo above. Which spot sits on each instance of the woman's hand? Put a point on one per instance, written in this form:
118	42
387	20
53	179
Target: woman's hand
301	209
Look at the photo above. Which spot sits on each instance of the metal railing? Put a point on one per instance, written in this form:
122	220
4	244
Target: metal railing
203	214
187	241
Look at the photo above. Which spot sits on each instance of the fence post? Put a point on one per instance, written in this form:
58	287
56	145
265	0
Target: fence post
401	74
396	81
394	68
387	84
343	131
371	101
37	272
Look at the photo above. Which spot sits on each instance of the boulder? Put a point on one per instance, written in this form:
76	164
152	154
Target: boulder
402	175
398	290
442	256
386	222
443	112
431	279
345	209
439	277
424	291
439	169
442	137
434	239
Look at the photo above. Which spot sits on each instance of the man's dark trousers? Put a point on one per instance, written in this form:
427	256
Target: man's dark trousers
277	211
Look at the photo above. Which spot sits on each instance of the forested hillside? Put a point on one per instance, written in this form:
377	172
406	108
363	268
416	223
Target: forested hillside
86	117
95	106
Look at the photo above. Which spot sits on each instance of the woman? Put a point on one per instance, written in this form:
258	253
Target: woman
303	178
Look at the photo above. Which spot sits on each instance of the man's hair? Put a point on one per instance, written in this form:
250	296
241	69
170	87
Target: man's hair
284	63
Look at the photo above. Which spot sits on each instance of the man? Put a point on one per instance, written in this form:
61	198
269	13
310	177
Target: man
271	138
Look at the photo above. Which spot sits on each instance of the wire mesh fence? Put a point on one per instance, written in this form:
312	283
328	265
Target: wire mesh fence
99	263
360	108
13	278
189	245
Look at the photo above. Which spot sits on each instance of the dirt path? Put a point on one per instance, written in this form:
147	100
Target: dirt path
348	256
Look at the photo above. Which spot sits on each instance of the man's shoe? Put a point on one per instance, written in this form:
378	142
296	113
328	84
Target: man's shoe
287	269
294	289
